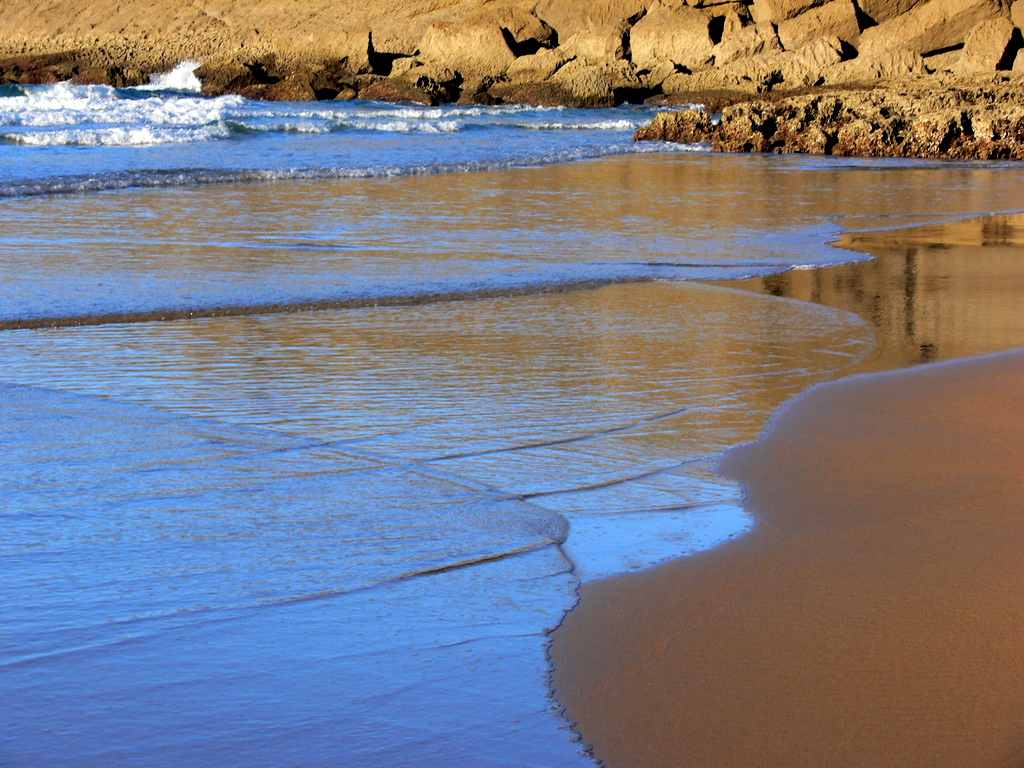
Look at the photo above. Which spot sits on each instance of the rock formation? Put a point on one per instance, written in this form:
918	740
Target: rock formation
960	120
574	52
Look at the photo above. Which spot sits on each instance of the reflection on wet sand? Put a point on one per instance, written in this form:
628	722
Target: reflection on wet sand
935	292
872	617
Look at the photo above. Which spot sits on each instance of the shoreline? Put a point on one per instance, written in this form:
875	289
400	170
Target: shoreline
837	630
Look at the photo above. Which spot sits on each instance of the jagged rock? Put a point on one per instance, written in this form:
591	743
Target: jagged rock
836	18
536	67
983	123
776	11
992	45
526	33
479	47
746	42
1017	14
609	42
690	126
681	35
571	17
934	26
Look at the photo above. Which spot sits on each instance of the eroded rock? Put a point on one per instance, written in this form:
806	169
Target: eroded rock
979	123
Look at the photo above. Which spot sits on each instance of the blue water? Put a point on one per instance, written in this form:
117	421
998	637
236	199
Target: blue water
262	535
98	137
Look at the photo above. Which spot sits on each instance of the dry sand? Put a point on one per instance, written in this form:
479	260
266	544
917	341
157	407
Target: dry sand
875	616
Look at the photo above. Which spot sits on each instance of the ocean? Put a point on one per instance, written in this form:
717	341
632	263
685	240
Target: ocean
315	416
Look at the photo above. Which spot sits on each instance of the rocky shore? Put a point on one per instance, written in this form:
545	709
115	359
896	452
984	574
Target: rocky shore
571	52
958	119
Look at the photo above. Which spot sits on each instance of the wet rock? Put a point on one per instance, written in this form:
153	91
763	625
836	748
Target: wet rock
980	123
296	87
929	28
428	85
837	18
479	47
680	35
991	45
690	126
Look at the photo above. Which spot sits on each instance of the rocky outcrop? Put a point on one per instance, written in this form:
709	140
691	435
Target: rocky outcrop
958	122
572	52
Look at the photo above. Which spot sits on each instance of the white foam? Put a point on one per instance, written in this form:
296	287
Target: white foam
182	79
117	136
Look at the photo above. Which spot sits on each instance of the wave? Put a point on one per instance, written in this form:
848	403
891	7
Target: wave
180	79
100	115
185	177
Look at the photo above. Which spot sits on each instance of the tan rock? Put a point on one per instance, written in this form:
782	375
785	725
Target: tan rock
776	11
402	65
587	83
732	22
527	31
747	42
883	10
536	67
655	77
688	126
468	47
808	65
609	42
945	61
838	18
570	17
931	27
992	45
887	65
681	35
1017	14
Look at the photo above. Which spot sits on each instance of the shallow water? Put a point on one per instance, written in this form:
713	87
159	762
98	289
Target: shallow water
268	536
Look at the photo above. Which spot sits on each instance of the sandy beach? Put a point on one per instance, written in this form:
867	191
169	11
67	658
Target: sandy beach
873	616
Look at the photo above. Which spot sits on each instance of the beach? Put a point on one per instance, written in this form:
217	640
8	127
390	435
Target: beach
318	419
872	616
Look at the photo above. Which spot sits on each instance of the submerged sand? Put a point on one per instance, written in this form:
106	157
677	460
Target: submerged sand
873	617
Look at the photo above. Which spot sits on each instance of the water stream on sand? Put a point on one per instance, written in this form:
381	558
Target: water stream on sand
272	536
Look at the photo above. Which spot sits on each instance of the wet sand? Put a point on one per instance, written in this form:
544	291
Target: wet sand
874	616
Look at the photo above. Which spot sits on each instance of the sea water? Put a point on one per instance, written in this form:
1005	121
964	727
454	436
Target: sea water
315	415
